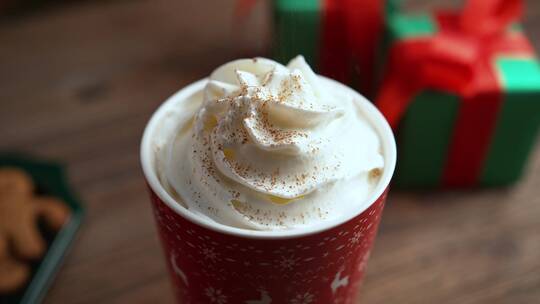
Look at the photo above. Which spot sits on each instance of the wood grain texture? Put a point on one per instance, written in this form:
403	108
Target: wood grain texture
78	83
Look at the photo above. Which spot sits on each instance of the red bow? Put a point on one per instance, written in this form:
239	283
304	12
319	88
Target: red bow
458	59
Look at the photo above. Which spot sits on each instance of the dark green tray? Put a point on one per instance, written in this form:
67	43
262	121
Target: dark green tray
50	179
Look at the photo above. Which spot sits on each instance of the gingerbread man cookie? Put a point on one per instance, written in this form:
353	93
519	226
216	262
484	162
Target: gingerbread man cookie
20	238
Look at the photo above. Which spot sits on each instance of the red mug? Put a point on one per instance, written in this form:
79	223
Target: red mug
217	264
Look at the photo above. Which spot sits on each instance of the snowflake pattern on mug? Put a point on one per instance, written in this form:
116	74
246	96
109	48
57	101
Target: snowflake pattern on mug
288	262
209	253
215	295
356	238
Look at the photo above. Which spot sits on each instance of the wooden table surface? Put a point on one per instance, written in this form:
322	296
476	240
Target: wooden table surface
78	83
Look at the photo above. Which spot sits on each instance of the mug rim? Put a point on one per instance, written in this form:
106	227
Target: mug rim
147	156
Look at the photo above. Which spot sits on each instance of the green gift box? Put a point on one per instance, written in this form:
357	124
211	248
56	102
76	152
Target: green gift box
338	38
464	100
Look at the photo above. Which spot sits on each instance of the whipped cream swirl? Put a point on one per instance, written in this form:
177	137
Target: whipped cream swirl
273	147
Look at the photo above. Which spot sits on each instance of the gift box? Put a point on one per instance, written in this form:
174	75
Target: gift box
338	38
462	90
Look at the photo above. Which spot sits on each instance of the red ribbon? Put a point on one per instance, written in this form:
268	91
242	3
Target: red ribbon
459	59
365	21
334	60
349	35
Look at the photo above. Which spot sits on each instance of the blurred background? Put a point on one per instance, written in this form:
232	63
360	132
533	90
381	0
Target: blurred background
78	82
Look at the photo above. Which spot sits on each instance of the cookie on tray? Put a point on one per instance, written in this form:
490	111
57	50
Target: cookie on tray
20	238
